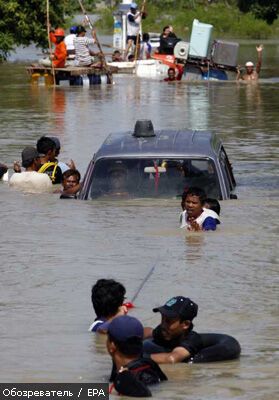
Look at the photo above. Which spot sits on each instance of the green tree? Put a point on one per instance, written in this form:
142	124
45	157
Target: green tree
264	9
24	21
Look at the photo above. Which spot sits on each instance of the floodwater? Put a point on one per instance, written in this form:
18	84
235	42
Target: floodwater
53	250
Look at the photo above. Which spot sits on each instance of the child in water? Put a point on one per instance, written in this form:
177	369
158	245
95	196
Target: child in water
196	216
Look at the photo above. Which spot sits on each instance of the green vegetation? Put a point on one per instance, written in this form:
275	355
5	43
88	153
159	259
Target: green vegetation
24	22
225	16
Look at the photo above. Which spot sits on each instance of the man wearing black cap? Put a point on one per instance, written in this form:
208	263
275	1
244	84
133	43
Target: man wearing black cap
174	340
131	372
30	179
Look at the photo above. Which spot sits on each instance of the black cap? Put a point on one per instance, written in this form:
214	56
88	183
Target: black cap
179	307
80	29
28	155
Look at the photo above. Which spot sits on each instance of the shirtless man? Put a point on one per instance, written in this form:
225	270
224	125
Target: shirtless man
251	74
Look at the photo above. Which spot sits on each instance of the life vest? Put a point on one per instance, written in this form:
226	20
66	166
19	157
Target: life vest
52	170
200	220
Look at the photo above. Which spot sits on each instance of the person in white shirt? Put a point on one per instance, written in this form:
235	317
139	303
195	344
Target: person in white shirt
69	42
134	18
30	180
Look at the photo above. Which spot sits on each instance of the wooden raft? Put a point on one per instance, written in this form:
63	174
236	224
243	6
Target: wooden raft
71	73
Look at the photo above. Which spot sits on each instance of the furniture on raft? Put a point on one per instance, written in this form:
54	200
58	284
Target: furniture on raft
75	75
216	347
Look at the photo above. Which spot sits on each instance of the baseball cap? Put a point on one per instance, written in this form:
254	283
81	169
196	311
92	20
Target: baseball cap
249	64
125	327
179	307
80	29
28	155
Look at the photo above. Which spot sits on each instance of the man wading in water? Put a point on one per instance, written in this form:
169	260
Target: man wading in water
251	74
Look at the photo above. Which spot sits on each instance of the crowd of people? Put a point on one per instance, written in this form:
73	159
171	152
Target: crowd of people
76	49
40	170
134	348
136	351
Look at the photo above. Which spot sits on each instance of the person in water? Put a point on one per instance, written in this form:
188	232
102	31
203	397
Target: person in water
30	179
212	204
172	76
116	56
63	166
3	170
107	298
195	216
131	373
49	165
70	184
174	340
251	74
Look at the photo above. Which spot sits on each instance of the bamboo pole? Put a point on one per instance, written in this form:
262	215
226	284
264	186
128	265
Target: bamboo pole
138	35
109	74
49	42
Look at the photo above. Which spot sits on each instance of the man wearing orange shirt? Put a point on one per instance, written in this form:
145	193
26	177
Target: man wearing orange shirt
60	54
58	58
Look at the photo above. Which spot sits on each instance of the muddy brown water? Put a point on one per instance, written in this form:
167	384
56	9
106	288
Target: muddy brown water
52	251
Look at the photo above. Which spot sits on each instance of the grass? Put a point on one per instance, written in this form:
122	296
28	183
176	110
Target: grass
228	21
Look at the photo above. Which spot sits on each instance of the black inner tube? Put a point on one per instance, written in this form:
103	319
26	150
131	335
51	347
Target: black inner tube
216	347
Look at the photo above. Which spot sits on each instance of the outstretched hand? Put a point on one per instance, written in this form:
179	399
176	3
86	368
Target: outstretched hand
259	48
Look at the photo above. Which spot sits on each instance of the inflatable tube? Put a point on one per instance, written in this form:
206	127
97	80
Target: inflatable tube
216	347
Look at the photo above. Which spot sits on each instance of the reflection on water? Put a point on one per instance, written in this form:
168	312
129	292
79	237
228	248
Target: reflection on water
52	251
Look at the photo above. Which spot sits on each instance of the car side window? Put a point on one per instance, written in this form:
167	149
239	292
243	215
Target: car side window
227	169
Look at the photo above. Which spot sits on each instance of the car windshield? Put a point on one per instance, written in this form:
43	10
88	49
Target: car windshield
153	177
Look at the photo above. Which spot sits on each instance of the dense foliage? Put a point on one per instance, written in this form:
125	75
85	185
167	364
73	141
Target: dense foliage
23	22
264	9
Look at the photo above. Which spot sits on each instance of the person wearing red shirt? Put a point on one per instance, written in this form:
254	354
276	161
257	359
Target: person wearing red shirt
172	74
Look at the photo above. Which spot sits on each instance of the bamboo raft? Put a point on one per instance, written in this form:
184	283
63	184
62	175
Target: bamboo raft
71	73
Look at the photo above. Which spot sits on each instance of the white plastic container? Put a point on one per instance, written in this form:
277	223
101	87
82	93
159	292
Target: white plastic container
200	39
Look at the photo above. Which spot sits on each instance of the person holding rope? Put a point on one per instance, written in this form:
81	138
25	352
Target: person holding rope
134	18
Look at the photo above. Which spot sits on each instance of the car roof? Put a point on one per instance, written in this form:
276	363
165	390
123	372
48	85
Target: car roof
166	143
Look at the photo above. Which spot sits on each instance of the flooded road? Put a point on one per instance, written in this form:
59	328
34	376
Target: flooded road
52	251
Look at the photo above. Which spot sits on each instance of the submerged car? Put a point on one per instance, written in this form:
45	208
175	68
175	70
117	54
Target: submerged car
163	163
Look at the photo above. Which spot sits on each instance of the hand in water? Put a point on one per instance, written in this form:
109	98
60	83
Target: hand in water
194	226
